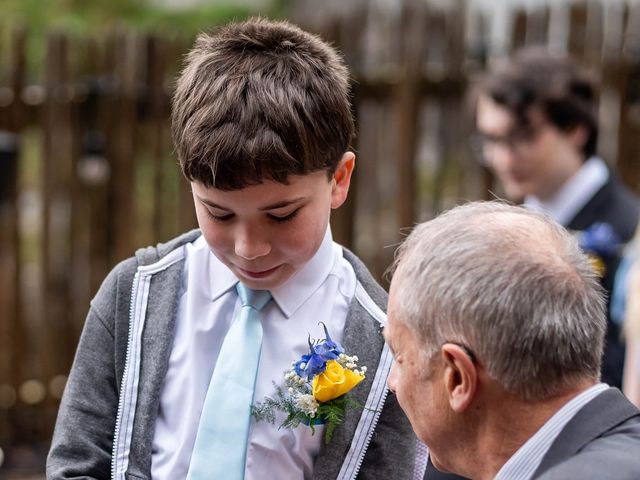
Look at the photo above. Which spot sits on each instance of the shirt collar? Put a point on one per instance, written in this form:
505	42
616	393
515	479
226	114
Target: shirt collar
565	204
222	279
295	291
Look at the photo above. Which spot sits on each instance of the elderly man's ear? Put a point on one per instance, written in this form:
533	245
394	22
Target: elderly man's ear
460	377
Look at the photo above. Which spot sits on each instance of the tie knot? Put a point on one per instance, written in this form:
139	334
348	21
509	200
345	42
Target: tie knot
256	299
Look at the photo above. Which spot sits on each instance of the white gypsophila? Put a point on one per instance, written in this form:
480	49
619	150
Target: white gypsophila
307	404
349	362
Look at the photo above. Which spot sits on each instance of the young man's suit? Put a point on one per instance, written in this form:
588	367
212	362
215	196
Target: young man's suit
615	205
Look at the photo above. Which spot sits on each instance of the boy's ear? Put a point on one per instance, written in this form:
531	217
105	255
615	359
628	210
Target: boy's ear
342	179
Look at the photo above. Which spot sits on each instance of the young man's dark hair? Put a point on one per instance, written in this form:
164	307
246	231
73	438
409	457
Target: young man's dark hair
283	109
563	91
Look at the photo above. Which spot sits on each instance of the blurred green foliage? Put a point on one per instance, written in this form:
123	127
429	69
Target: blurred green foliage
92	16
96	18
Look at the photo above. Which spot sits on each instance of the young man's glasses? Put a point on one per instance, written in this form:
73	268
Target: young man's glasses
517	140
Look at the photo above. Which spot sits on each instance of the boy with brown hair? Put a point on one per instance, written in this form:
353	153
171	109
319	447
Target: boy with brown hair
158	389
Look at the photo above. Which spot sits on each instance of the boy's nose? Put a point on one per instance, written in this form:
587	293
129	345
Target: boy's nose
250	246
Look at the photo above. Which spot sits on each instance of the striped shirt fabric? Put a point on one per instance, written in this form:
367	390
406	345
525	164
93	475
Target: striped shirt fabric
422	458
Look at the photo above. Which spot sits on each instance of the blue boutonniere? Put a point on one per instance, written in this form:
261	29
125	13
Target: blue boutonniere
316	388
599	241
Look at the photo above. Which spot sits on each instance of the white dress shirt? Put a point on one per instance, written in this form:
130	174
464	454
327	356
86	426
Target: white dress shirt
565	204
524	463
321	291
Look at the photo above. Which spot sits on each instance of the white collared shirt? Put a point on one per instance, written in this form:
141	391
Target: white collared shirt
524	463
565	204
320	291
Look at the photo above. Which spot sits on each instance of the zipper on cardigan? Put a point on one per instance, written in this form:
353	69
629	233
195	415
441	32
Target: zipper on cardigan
116	435
372	430
384	365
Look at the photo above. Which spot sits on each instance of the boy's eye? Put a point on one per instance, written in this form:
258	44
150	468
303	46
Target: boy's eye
219	218
284	218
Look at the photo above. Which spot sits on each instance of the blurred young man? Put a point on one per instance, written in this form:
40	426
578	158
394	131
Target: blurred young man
538	132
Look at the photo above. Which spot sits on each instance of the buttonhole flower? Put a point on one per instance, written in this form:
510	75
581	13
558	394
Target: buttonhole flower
599	241
316	388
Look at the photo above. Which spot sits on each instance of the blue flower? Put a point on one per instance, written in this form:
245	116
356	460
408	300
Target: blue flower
600	239
328	349
315	362
310	365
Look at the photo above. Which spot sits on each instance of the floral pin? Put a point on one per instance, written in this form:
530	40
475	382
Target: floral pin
599	241
316	388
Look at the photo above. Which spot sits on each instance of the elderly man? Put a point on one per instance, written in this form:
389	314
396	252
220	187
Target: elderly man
536	117
496	321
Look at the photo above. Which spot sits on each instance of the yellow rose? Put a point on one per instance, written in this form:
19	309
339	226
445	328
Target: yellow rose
334	382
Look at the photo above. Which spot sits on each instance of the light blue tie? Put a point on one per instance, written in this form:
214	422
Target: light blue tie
221	442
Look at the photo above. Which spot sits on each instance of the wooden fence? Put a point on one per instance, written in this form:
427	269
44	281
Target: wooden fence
87	172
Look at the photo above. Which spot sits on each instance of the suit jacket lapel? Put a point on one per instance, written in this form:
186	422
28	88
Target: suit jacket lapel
594	209
612	204
607	410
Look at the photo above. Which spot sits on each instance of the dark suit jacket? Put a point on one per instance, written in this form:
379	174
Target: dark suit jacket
616	205
601	441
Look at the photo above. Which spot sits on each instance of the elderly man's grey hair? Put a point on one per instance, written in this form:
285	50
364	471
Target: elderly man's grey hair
510	285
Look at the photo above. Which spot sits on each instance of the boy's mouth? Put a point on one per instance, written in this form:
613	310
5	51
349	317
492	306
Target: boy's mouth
258	274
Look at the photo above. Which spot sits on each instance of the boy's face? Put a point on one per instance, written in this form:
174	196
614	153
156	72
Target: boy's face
265	233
